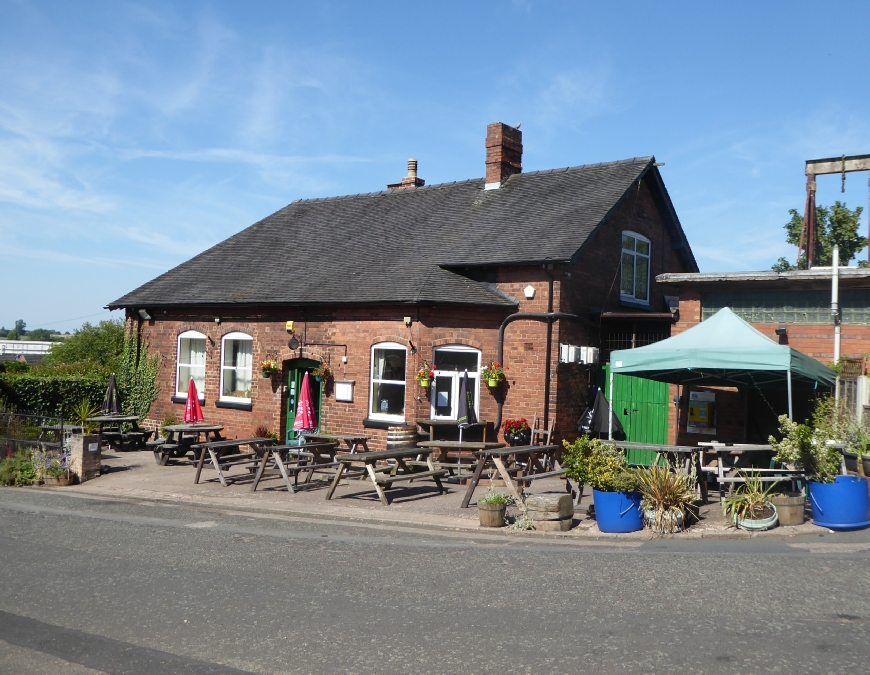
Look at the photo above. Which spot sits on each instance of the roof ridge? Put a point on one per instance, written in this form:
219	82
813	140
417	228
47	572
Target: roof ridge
436	186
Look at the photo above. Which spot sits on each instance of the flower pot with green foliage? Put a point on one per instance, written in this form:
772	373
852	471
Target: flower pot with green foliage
749	506
425	374
667	496
491	509
493	374
603	467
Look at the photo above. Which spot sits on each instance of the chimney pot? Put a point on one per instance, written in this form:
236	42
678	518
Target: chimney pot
412	168
504	153
410	181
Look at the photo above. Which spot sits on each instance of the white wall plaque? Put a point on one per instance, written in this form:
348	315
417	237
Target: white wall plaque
344	390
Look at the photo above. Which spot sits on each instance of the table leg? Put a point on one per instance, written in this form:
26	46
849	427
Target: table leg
702	478
338	473
217	466
506	477
378	488
283	469
260	470
473	482
198	465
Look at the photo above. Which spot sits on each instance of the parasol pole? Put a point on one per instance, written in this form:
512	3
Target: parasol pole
610	407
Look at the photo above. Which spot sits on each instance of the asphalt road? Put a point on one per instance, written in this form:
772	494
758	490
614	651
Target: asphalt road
94	585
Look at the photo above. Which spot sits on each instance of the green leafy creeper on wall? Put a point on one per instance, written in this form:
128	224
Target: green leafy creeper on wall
137	374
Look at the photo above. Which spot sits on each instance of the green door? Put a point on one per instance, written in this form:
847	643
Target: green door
642	407
296	369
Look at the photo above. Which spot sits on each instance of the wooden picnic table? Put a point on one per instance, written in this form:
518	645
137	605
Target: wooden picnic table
114	436
308	457
727	476
227	453
531	454
353	442
689	454
383	477
444	449
181	438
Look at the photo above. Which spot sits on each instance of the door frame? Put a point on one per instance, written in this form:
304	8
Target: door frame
295	370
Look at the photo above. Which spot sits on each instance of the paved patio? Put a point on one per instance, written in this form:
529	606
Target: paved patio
135	475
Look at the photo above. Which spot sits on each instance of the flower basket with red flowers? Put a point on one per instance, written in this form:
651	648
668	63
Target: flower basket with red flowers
517	432
322	372
493	374
425	374
269	367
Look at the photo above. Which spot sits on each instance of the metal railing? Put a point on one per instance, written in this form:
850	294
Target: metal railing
26	431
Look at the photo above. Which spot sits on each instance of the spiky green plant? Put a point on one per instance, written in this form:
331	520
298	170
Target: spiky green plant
667	494
748	500
83	412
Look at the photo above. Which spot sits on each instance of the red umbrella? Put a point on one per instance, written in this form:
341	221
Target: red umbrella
192	411
306	420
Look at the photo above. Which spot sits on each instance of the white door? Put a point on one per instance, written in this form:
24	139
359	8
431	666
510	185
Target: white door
451	363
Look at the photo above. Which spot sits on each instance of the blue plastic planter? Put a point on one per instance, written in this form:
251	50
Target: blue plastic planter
618	511
841	505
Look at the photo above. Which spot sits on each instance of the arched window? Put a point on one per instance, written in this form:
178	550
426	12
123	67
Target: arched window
190	363
451	364
634	283
236	367
387	393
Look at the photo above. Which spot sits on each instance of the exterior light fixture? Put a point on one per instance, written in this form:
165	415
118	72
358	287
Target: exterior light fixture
144	314
782	330
293	343
529	292
217	319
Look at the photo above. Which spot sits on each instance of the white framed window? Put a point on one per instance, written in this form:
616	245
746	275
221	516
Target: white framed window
387	393
236	366
634	284
451	363
190	363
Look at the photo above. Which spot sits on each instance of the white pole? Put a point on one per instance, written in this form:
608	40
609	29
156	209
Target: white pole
610	406
788	380
835	312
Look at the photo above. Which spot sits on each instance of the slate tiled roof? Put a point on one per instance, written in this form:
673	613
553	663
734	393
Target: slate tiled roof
399	247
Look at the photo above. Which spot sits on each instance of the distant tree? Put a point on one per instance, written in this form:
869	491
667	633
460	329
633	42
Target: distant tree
3	332
12	335
21	327
39	334
837	225
100	345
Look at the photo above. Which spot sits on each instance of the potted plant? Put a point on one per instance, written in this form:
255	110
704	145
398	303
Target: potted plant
749	506
517	432
493	374
425	375
666	497
56	470
837	502
269	368
614	486
322	372
491	508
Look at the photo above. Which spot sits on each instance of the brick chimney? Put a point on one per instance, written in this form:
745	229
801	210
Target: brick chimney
504	153
409	181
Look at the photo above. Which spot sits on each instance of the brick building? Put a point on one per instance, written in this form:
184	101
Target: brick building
377	283
792	308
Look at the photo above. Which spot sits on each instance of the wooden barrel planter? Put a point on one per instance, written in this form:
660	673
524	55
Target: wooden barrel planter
401	437
790	507
491	515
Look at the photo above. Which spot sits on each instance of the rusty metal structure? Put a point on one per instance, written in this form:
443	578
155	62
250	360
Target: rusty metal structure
817	167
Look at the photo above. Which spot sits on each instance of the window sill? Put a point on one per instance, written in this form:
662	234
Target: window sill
640	304
183	399
233	405
382	424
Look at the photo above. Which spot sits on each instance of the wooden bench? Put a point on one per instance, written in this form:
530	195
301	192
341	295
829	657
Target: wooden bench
535	476
387	479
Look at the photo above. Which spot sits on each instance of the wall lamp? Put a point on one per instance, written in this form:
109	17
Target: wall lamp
217	319
144	314
782	330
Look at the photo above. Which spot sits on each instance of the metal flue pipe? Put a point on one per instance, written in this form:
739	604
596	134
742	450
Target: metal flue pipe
835	313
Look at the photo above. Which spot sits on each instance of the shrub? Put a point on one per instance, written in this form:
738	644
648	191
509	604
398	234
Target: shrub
100	345
804	447
57	395
17	469
169	420
589	461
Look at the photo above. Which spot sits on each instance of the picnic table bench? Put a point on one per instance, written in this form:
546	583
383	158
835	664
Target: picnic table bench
501	457
227	453
384	477
180	440
310	457
117	438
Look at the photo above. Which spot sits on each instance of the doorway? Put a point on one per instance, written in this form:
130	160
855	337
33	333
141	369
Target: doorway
642	407
296	370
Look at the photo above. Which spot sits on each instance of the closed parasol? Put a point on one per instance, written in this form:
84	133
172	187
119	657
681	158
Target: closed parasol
306	419
192	411
110	404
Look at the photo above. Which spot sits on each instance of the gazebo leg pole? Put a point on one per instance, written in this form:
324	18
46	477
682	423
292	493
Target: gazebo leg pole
788	381
610	407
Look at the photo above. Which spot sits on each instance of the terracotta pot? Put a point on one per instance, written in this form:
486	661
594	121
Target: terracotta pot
491	515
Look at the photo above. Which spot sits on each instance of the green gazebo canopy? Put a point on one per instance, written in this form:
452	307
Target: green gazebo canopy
723	351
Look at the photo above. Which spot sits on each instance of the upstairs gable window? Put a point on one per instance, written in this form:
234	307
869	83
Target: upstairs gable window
634	284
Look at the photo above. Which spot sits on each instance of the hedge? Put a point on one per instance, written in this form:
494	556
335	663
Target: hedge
56	395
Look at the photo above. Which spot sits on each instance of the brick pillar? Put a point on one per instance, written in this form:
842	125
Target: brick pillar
85	457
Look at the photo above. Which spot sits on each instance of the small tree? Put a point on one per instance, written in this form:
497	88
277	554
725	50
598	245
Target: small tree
99	345
835	226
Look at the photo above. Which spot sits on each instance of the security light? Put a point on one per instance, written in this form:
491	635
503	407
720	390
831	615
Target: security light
144	314
782	330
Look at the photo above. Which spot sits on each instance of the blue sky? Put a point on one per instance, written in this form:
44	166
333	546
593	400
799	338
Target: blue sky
133	136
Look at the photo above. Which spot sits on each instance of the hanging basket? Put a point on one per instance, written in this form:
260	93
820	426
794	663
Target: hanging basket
266	375
492	382
424	384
